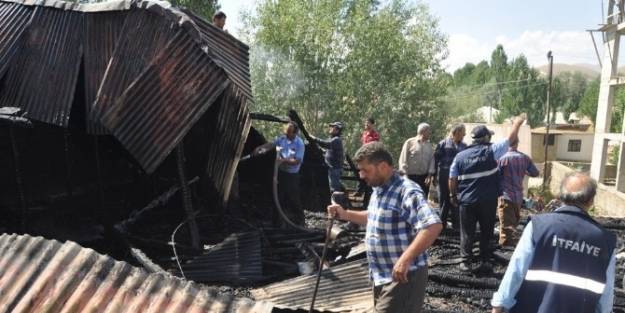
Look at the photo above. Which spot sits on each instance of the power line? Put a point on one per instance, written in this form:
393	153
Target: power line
468	95
497	83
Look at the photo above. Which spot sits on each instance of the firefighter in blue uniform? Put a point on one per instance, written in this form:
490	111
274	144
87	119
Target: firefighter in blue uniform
564	261
474	188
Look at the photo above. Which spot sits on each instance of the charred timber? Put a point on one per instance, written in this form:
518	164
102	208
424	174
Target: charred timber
463	281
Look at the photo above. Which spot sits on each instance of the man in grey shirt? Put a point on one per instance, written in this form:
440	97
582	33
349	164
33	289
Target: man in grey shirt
417	158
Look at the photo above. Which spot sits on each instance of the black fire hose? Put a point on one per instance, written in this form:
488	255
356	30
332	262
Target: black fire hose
276	199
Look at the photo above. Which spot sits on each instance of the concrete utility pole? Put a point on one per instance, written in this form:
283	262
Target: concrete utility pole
547	170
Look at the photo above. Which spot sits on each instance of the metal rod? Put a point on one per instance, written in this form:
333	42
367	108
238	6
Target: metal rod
596	50
321	261
186	197
546	169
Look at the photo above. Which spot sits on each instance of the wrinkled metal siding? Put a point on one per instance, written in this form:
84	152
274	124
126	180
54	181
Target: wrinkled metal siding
42	78
39	275
14	19
238	259
227	139
102	33
229	52
144	35
344	288
161	105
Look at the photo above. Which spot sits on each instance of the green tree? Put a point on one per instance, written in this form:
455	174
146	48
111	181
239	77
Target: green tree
588	103
499	68
203	8
346	60
525	93
573	86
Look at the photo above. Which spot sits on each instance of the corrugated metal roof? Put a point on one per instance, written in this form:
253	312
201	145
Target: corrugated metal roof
228	52
103	30
344	288
227	138
150	72
159	107
144	34
14	19
237	259
39	275
42	77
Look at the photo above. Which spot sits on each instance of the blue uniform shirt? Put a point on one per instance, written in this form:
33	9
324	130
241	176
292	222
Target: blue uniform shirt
499	149
290	149
520	263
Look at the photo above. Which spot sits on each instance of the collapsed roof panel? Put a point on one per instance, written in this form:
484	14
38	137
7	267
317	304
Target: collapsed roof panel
172	93
40	275
343	288
144	34
227	138
102	33
41	78
14	19
150	72
237	259
230	54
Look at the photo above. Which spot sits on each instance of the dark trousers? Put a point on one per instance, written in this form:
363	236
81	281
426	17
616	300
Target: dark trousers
483	212
396	297
420	180
448	210
289	196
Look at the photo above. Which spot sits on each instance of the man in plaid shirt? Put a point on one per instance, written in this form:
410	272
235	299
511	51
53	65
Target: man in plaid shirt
400	227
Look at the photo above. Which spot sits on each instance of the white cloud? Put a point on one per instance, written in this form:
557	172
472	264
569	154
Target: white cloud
571	47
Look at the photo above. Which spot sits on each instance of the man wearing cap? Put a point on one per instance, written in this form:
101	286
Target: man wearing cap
334	155
417	158
474	186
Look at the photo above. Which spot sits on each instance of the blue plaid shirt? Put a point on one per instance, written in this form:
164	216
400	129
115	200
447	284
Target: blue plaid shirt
397	211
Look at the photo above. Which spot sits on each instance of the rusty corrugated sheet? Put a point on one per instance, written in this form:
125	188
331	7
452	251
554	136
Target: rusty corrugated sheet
227	138
237	259
344	288
230	53
39	275
102	33
42	77
144	34
172	93
14	19
150	73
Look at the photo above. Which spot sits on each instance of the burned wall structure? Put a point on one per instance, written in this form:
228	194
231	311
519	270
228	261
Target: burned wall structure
101	103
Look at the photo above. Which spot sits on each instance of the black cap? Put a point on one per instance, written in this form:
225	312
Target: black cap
338	125
481	131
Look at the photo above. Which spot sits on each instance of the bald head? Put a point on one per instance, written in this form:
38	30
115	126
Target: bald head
578	189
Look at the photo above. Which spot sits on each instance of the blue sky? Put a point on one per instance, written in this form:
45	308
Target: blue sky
475	27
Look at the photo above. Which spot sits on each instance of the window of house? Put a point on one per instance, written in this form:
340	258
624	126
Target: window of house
575	145
552	140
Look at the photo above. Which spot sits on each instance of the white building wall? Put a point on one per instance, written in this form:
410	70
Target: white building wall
562	146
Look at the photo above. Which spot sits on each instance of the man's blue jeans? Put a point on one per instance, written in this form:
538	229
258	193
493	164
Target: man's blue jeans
334	177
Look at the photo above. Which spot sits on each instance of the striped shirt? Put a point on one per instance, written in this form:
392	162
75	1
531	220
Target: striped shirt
513	166
397	212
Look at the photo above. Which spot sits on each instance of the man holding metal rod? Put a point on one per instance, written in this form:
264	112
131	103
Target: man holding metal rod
400	227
